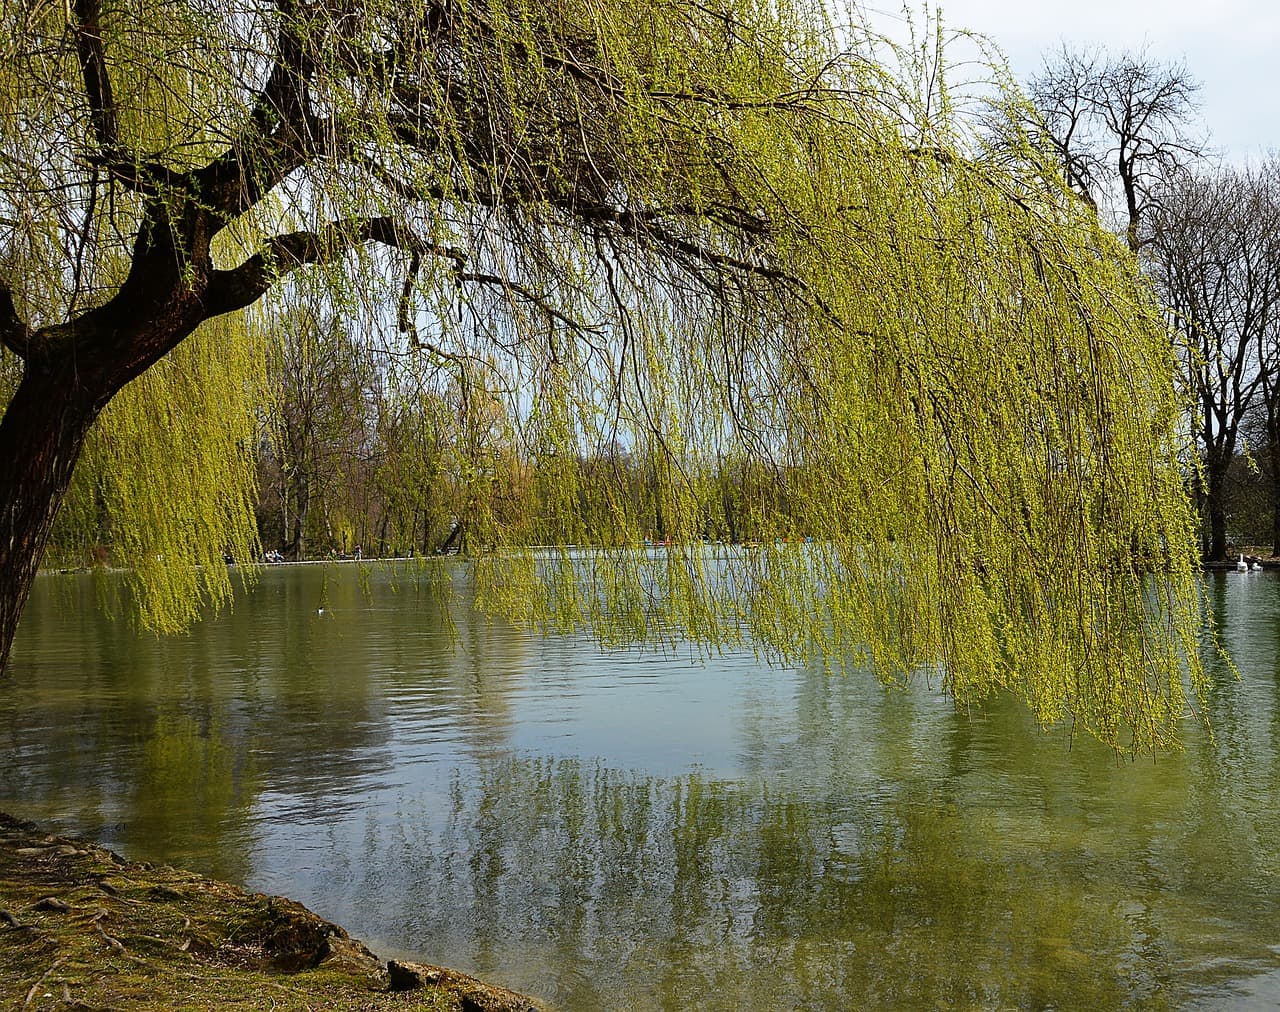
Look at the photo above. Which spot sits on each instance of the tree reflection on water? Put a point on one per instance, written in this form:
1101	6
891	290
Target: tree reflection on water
610	831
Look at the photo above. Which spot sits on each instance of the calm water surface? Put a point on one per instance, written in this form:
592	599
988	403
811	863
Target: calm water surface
620	830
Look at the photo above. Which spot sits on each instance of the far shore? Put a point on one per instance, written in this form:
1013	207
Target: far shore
1263	557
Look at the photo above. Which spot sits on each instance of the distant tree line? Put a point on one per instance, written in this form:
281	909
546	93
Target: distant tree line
363	450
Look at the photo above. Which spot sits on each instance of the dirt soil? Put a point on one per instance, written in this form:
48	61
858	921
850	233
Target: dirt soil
82	928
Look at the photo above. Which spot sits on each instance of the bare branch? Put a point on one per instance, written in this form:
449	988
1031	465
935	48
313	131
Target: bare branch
526	294
1117	121
404	313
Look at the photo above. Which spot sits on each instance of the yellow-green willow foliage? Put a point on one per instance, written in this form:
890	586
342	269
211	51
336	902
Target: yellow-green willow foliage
684	273
964	445
168	477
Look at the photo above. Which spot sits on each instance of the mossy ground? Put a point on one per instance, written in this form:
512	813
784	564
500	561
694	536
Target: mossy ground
82	928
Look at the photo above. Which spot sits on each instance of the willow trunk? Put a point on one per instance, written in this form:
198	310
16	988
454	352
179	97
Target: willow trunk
41	436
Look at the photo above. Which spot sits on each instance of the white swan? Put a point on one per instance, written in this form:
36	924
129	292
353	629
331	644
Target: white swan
1255	566
1242	566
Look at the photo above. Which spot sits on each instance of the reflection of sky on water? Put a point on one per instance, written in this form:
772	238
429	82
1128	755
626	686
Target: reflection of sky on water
635	830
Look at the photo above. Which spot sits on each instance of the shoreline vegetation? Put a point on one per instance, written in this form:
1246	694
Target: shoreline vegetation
82	928
1253	553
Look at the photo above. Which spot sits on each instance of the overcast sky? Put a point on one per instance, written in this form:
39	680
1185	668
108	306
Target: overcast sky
1231	46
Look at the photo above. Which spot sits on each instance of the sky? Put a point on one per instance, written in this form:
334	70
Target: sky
1231	46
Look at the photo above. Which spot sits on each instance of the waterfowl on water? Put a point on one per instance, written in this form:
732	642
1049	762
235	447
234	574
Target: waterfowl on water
1242	566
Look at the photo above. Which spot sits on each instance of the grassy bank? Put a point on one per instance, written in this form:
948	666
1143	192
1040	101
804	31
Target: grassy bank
82	928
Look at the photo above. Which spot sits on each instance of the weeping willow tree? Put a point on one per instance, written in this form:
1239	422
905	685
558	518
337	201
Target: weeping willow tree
676	266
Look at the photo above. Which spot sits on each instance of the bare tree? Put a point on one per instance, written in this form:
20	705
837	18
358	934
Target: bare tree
1117	122
1266	210
1215	254
318	416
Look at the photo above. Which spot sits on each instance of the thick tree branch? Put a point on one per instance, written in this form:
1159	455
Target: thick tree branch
14	332
281	134
149	178
241	286
93	68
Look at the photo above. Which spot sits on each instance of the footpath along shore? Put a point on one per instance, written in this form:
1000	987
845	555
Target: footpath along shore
82	928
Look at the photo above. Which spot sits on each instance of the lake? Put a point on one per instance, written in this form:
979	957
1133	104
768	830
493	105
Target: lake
648	831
